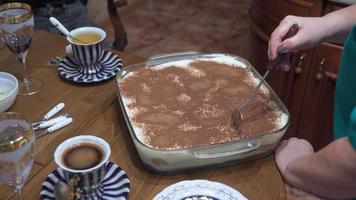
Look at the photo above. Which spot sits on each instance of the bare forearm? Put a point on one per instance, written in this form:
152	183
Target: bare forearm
340	23
330	172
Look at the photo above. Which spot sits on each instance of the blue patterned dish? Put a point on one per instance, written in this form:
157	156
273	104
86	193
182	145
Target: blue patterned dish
116	184
199	190
109	64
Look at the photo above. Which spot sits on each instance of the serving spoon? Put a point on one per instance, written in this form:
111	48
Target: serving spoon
64	30
237	114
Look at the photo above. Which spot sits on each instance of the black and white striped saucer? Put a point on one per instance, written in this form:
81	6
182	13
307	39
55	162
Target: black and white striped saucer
116	184
110	63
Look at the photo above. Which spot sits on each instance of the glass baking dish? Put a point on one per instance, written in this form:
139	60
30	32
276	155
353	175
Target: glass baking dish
186	159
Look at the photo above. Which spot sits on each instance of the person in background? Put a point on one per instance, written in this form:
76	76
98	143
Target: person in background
330	172
73	14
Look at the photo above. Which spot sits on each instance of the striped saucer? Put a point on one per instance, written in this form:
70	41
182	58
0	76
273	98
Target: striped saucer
116	184
109	63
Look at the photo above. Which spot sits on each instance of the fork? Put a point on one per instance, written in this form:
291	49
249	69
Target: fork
237	114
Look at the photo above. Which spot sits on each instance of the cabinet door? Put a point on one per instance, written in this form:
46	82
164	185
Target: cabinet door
290	86
295	87
316	122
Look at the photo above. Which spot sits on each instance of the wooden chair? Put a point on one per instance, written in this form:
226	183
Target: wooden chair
120	36
120	41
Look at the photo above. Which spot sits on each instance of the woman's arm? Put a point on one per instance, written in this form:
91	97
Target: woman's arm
331	172
332	27
341	21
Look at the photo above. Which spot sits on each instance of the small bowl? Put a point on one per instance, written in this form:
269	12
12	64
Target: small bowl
9	88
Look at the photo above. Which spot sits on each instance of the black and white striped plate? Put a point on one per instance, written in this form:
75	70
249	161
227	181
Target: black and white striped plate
116	184
110	64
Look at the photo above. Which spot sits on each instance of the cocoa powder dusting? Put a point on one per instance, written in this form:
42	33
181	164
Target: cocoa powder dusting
182	107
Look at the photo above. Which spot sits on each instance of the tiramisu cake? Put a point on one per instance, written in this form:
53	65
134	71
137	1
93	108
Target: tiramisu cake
189	103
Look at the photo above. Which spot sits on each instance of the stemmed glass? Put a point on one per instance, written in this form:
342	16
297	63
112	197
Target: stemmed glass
16	30
17	141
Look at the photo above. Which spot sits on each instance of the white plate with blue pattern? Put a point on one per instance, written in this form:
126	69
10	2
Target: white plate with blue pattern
116	184
199	190
110	63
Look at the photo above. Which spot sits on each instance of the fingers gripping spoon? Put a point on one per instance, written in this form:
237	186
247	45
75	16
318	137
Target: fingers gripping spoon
237	114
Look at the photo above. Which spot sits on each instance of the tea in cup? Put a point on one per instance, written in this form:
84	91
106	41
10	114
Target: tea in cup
87	48
83	159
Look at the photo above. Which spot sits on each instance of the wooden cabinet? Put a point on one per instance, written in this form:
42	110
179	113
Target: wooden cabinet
316	116
308	88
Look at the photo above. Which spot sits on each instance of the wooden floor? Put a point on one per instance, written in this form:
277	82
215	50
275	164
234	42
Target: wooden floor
161	26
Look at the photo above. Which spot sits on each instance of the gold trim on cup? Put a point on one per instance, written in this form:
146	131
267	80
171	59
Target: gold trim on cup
10	19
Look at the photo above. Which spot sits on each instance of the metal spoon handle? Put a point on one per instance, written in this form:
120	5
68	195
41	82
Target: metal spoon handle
253	94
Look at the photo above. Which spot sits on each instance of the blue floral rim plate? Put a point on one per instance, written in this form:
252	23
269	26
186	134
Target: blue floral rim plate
109	64
116	184
199	190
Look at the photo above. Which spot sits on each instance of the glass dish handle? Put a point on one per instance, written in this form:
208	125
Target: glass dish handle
160	58
206	155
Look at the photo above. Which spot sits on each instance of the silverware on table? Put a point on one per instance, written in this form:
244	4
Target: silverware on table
53	111
51	125
55	127
48	123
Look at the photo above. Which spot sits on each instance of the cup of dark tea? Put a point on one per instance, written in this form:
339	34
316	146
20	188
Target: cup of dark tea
87	48
83	160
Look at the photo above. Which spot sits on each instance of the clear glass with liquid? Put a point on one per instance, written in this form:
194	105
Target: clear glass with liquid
17	148
16	28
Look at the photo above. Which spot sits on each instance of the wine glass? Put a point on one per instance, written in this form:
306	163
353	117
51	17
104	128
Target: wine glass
16	30
17	141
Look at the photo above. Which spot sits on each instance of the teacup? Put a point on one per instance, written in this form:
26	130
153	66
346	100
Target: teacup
83	161
87	48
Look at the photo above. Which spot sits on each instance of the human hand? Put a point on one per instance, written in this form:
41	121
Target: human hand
283	59
311	32
293	193
290	150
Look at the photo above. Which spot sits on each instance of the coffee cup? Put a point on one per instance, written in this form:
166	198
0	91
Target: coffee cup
87	48
83	160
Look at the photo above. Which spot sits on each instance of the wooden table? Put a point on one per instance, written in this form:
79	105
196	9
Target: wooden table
96	111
